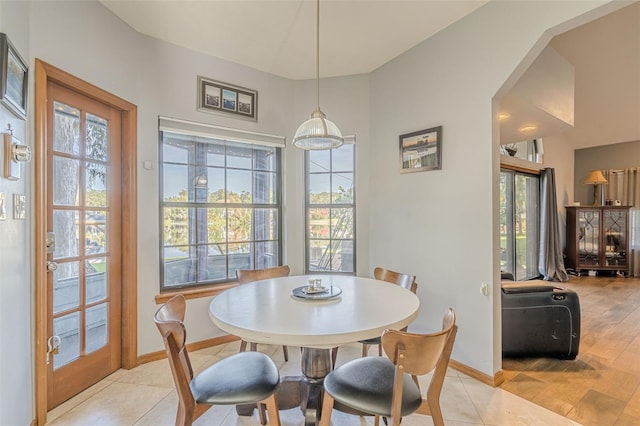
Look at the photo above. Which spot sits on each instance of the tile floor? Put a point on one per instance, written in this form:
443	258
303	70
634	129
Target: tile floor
602	385
145	396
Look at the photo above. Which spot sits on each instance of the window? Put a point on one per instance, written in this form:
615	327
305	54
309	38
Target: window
221	208
330	210
519	223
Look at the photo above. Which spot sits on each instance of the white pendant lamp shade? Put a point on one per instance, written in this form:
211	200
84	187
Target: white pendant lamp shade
318	132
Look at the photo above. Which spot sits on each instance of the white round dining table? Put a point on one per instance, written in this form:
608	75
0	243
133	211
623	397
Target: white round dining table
266	312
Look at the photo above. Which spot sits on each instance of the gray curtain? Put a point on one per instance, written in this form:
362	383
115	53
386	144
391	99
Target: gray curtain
550	262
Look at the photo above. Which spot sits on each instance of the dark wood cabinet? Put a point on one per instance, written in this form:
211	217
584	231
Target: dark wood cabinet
598	238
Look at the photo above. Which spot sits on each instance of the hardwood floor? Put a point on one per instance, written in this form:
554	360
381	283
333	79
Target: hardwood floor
602	385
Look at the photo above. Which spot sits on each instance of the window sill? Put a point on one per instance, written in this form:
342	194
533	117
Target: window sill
195	293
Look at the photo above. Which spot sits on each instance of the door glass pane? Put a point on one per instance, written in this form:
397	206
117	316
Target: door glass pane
96	189
66	173
526	225
66	129
506	223
66	287
615	226
66	230
95	233
68	328
96	327
97	137
96	278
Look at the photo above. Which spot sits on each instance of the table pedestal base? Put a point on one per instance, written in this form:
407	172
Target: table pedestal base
304	391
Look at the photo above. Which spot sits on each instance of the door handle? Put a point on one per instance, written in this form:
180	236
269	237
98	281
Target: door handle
51	266
53	346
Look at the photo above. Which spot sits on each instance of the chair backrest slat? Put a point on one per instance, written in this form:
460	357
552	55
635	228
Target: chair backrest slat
250	275
422	352
403	280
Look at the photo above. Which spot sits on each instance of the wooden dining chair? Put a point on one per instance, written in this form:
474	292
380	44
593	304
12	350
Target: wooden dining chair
244	378
388	386
250	275
403	280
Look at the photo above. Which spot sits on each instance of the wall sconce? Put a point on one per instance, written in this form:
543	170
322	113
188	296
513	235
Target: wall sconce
14	154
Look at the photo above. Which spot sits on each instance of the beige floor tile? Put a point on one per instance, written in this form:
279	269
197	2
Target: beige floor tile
77	400
456	404
117	404
499	407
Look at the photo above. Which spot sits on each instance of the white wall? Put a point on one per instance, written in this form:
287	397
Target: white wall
441	225
16	314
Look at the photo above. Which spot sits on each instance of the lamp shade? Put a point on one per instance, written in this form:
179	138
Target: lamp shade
595	178
318	133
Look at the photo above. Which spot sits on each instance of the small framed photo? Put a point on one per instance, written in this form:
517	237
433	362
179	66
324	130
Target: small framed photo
421	150
13	78
218	97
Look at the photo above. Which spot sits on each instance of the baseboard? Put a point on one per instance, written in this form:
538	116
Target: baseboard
155	356
494	381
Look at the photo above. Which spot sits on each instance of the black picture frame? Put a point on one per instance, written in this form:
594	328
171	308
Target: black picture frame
14	79
421	150
219	97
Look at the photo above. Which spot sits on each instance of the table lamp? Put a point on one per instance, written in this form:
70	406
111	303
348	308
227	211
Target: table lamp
595	178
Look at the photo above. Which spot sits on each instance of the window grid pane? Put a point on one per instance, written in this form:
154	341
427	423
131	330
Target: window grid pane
330	204
220	209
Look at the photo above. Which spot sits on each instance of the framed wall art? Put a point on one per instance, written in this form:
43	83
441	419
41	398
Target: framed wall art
13	78
421	150
218	97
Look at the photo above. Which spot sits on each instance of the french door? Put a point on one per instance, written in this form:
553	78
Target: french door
84	229
519	224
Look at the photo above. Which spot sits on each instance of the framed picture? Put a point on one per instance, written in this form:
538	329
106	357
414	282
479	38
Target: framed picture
218	97
421	150
13	78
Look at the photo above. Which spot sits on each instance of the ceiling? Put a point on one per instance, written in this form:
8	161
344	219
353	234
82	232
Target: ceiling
358	36
279	37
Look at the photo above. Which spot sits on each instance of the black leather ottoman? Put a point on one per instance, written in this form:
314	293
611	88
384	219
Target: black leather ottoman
540	320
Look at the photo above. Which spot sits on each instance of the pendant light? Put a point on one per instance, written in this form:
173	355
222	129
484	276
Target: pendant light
318	132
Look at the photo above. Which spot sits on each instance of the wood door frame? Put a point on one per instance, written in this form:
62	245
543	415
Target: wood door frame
45	73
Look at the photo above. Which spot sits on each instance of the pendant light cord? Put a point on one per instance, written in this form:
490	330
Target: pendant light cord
317	55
